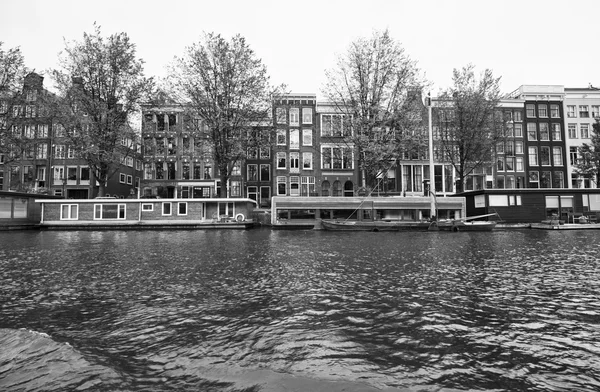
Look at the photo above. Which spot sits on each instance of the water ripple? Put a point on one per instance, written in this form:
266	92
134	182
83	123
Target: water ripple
305	311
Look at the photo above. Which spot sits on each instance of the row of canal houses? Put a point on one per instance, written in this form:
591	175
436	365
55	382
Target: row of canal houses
546	125
308	158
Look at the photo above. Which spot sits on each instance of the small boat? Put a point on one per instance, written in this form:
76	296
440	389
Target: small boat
380	225
468	224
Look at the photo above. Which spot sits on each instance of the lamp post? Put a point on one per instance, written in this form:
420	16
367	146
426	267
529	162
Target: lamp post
431	168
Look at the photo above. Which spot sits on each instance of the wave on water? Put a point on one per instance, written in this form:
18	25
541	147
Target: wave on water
31	361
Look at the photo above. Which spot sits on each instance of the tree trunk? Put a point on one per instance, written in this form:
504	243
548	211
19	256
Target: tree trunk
223	190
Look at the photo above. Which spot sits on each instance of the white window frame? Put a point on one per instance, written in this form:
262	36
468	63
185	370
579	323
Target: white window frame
307	137
294	139
281	137
281	160
307	115
122	178
98	211
294	116
129	179
281	180
183	204
164	208
147	206
307	157
70	209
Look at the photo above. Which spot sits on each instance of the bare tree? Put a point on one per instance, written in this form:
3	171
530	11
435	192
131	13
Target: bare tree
469	126
375	85
224	83
101	84
588	164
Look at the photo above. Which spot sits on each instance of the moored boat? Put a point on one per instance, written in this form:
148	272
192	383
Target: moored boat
351	225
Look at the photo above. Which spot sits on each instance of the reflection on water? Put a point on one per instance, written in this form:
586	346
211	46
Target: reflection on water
264	310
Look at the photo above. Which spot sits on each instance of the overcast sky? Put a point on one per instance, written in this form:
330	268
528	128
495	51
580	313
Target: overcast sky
523	41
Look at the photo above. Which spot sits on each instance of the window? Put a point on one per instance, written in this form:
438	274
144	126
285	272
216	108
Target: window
531	131
109	211
510	182
280	115
554	111
556	132
534	179
252	153
533	156
500	164
500	148
235	170
558	181
307	114
518	130
182	208
294	186
42	131
557	156
252	172
307	137
544	133
281	185
596	111
71	175
166	209
281	140
307	160
542	110
518	116
545	155
572	131
519	164
294	139
265	172
41	151
583	111
585	131
235	189
571	111
147	207
518	147
129	161
294	116
281	160
294	162
510	164
307	185
545	179
70	152
573	155
69	211
500	182
122	178
129	180
530	109
265	153
59	151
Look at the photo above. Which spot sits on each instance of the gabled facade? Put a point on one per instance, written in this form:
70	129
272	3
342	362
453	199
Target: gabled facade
544	143
295	150
582	108
39	157
178	160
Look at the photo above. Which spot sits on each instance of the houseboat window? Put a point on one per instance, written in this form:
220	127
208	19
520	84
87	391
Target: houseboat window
69	211
226	209
109	211
166	208
147	207
498	200
182	208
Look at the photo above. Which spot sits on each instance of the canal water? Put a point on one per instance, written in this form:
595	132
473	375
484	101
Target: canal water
267	311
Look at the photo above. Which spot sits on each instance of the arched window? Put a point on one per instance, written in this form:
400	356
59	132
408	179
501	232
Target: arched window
348	189
325	188
337	188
